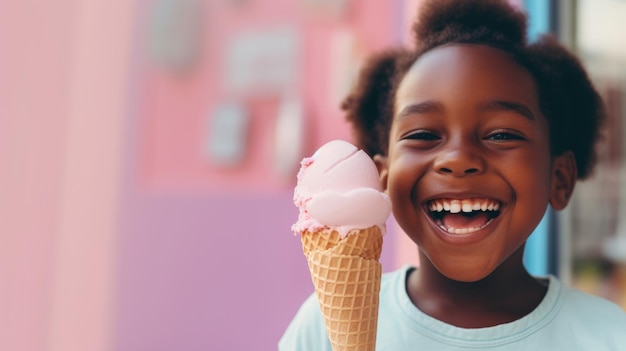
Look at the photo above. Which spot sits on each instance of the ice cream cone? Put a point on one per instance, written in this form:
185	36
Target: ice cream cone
346	274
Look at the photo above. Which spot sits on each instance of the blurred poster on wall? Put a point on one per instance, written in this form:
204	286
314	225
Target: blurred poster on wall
346	57
262	62
226	143
175	32
326	8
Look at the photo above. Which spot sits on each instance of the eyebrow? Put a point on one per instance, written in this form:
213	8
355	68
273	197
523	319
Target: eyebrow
420	108
494	105
502	105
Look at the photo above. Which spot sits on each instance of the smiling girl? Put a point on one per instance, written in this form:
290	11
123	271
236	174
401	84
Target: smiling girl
475	133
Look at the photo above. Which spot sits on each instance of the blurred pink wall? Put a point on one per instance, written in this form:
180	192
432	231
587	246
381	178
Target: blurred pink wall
117	233
207	258
63	95
33	116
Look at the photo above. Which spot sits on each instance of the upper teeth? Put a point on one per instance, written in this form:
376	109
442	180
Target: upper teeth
465	205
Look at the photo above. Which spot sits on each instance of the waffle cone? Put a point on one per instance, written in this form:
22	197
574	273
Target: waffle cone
346	274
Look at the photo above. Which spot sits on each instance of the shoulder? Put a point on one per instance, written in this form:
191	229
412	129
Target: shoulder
584	306
391	281
590	315
306	331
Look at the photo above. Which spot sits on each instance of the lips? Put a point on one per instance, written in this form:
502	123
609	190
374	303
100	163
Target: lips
463	216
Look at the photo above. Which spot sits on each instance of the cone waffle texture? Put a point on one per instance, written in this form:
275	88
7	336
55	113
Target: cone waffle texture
346	274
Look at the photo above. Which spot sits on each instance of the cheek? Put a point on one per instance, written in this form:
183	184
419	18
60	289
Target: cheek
531	183
404	174
403	178
400	190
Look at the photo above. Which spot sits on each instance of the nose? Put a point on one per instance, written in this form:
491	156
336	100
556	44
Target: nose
459	161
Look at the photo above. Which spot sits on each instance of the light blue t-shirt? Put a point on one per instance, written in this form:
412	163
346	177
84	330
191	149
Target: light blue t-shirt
566	319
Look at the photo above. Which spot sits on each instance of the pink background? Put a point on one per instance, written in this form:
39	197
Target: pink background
209	260
117	233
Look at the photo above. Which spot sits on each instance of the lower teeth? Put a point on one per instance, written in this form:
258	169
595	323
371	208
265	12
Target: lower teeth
463	230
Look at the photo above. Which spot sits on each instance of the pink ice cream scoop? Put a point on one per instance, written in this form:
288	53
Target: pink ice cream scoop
339	188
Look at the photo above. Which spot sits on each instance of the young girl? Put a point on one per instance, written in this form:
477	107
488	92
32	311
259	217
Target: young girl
475	133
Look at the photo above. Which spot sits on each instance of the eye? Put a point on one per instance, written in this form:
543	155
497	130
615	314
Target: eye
423	135
504	136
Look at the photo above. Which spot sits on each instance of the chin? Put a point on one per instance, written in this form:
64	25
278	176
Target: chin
466	278
465	275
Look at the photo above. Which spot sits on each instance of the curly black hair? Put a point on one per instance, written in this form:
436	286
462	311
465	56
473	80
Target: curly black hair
567	97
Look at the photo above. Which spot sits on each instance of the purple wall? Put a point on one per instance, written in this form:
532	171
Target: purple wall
198	277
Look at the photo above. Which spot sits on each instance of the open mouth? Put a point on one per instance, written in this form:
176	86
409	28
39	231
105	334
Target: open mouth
463	216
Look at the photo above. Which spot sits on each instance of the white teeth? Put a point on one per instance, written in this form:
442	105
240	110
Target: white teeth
466	205
455	206
463	230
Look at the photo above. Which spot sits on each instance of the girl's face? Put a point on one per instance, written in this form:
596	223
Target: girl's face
468	169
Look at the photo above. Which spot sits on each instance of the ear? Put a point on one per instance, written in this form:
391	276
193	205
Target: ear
383	169
564	176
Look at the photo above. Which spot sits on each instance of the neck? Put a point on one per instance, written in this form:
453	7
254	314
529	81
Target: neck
507	294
